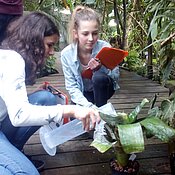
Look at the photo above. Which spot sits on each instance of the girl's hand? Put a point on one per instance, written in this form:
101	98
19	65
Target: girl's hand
88	116
94	64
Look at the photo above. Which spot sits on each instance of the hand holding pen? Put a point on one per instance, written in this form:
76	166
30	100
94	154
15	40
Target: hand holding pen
94	64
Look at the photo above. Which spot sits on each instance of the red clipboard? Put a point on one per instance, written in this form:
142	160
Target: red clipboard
109	57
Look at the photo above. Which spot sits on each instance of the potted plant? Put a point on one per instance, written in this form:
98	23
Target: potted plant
125	134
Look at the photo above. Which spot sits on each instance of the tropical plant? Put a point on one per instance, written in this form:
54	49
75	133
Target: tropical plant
126	133
162	34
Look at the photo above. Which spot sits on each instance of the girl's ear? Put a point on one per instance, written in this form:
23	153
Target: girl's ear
75	34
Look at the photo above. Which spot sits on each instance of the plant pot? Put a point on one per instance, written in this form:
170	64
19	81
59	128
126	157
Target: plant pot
171	149
172	163
131	168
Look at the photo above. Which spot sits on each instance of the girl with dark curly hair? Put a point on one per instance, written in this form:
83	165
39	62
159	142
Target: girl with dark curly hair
30	40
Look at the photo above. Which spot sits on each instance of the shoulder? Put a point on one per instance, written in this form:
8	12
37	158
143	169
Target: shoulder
70	51
11	56
67	49
11	64
102	43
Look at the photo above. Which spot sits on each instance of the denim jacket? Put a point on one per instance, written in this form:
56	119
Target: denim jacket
72	72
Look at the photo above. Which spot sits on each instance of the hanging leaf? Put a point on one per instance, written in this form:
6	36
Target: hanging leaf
131	138
154	30
100	142
71	5
101	147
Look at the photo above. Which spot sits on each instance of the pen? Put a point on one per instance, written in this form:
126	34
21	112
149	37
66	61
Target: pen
96	59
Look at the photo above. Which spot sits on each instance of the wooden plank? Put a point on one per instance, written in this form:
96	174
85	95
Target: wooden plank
158	166
92	169
150	161
35	147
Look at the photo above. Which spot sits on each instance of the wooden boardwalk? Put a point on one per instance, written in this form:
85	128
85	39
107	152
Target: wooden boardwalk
76	157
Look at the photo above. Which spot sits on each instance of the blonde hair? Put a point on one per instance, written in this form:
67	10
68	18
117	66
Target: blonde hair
81	13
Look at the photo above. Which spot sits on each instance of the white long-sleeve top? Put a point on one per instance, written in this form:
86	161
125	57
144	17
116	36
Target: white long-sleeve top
13	95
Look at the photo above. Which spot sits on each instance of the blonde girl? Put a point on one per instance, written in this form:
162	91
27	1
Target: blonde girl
88	82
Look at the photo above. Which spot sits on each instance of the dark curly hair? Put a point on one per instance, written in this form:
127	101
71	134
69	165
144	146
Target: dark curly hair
26	36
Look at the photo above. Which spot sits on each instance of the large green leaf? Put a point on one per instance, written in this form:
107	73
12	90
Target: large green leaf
119	118
131	137
158	128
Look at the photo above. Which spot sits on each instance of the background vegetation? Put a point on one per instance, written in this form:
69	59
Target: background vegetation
143	27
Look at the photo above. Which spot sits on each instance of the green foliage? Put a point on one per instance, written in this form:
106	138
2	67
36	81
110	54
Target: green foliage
161	29
127	132
49	67
162	23
50	7
134	63
155	18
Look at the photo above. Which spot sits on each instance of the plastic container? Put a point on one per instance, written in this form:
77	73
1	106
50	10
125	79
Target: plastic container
53	136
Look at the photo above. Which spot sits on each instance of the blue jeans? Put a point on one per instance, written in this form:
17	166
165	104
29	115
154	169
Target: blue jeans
12	140
102	89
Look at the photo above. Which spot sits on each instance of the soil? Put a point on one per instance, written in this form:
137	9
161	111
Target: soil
131	168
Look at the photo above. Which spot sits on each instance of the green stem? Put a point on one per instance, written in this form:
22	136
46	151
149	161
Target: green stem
121	156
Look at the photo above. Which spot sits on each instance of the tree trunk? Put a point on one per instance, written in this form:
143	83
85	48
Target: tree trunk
149	59
124	36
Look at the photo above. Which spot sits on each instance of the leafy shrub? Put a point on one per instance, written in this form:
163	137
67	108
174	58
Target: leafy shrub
135	63
49	67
